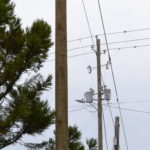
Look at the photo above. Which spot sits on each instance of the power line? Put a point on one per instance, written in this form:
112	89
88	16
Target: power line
88	21
100	10
118	48
111	33
81	108
104	123
122	108
134	110
110	43
111	115
122	123
85	107
111	49
116	42
135	46
129	102
126	41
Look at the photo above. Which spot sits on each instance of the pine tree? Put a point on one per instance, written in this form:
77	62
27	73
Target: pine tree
92	144
22	53
75	142
75	138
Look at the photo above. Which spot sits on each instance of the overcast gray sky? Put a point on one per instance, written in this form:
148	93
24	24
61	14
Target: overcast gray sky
131	66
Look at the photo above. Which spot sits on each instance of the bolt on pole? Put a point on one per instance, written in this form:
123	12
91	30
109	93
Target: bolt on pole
61	82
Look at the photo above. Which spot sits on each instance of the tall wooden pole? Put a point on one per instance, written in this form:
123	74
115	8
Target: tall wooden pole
100	129
61	77
116	138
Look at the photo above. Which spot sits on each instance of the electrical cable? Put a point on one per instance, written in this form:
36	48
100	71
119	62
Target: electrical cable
118	42
104	124
88	22
134	110
100	10
123	127
127	102
114	42
111	115
119	48
110	43
111	49
87	106
70	111
111	33
126	109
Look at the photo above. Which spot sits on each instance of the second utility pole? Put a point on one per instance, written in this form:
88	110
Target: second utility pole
100	128
116	138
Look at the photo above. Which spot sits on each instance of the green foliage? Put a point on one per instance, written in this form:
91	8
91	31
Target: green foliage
92	143
74	142
36	146
6	11
51	144
74	139
22	52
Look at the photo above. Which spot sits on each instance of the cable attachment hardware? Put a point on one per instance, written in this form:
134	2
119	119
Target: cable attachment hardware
108	64
89	68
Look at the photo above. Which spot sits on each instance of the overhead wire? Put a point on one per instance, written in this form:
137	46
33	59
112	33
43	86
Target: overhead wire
118	48
109	56
104	124
129	102
86	15
87	106
111	114
111	49
110	43
122	108
111	33
112	71
110	111
134	110
74	110
123	127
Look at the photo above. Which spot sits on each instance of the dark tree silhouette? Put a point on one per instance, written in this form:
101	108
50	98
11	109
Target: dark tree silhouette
22	53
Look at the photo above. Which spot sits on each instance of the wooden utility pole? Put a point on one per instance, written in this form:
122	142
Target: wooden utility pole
100	129
116	138
61	77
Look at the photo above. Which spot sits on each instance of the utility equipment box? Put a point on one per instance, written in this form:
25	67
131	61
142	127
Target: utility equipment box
89	96
115	141
107	94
